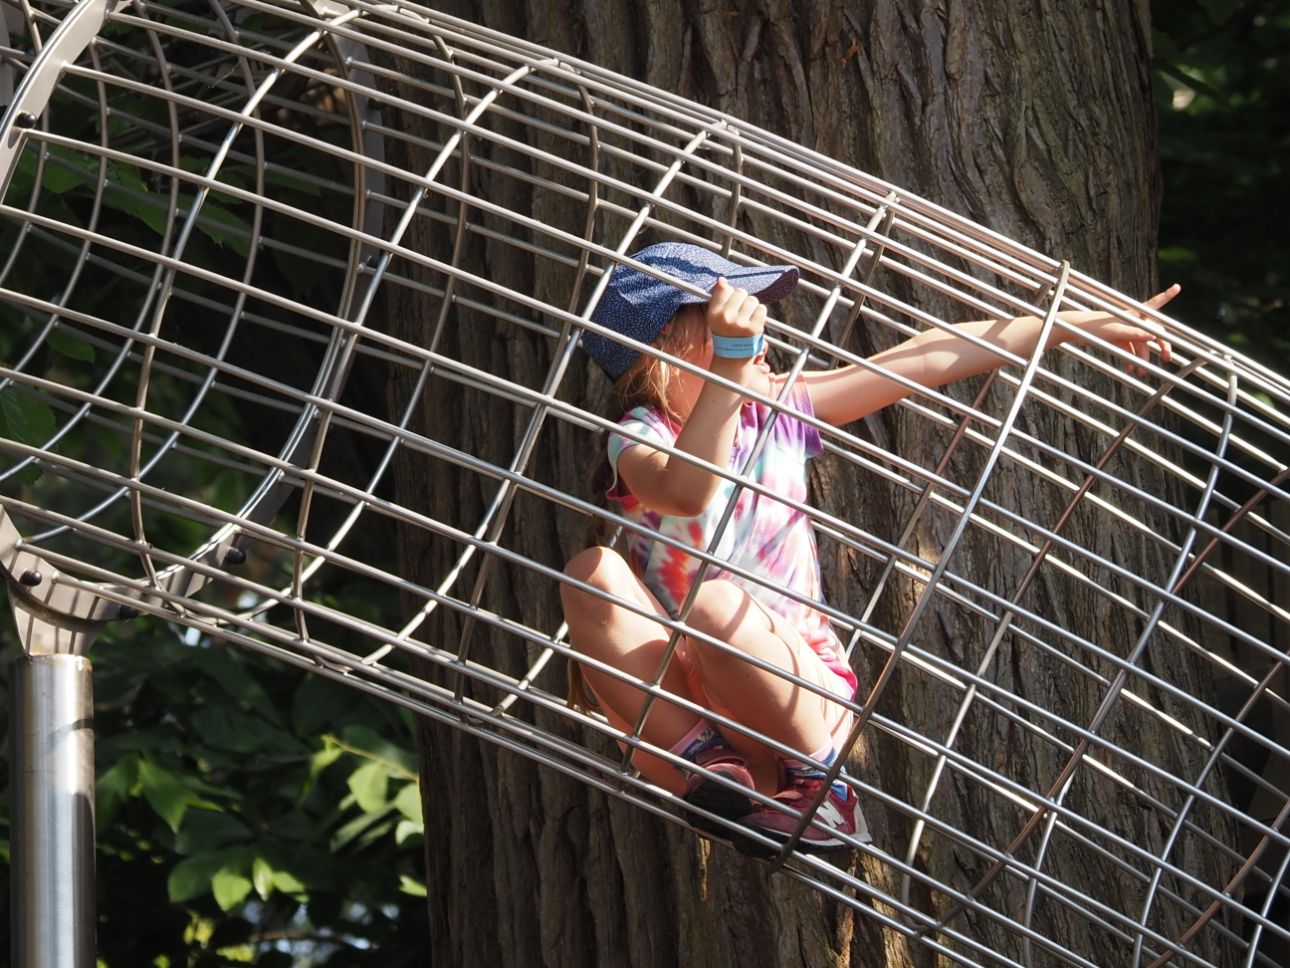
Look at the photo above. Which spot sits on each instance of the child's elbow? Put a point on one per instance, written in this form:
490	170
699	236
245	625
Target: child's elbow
691	505
677	493
685	502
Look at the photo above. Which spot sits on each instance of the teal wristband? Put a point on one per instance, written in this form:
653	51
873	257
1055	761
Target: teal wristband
738	347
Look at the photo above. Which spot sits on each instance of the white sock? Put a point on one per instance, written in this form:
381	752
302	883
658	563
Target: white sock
698	740
826	754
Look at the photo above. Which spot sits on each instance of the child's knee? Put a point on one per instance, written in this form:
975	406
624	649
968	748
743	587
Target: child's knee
600	567
716	607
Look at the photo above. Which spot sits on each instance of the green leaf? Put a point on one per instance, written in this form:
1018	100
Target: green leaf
369	784
66	170
230	887
229	729
242	954
369	741
128	193
1220	10
70	344
407	829
350	831
284	179
113	788
224	228
408	803
220	664
376	832
262	877
286	882
409	886
165	793
206	830
317	703
318	762
26	419
191	878
30	474
24	177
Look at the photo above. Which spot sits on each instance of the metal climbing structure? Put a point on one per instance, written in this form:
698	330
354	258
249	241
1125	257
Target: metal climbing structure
209	210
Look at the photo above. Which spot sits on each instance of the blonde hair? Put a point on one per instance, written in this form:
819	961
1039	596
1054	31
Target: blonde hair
648	382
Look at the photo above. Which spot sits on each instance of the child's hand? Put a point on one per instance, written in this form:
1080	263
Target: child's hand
1137	340
734	312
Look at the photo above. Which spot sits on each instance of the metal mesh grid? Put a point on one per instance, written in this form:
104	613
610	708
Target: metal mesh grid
190	166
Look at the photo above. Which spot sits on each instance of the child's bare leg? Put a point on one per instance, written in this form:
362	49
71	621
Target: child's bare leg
633	644
760	699
796	715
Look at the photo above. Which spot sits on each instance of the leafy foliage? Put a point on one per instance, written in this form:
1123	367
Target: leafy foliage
247	814
1223	69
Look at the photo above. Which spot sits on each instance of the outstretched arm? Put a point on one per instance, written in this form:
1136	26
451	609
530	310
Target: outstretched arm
939	356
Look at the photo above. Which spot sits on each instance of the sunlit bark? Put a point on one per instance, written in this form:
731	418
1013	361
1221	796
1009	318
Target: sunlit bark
1033	118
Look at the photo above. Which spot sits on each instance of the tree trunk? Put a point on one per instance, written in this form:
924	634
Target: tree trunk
1033	118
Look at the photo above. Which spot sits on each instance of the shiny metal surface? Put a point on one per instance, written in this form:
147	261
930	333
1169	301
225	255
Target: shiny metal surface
249	141
52	790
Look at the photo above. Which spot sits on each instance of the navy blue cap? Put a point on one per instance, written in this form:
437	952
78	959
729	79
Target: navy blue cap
639	305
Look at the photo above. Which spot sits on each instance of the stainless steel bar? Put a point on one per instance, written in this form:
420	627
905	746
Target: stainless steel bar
52	798
1196	477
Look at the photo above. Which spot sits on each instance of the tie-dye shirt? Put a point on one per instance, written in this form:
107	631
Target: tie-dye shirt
764	536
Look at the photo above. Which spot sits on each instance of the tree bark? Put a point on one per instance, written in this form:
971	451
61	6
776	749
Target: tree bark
1034	118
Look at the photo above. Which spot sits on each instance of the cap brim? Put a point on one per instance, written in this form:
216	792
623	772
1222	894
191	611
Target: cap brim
767	283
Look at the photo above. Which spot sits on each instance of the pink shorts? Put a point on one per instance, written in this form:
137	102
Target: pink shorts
812	669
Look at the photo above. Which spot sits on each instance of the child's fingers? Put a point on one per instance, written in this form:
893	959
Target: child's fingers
719	296
723	305
751	315
736	312
1161	298
1141	343
1145	339
1166	351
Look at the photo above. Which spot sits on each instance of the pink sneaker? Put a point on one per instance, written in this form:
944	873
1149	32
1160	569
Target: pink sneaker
716	797
835	817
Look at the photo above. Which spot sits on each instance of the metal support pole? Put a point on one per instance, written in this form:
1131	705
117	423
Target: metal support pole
52	784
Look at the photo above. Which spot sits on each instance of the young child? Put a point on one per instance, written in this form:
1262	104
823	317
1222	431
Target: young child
734	618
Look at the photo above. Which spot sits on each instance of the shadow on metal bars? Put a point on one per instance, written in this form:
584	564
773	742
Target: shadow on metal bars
169	172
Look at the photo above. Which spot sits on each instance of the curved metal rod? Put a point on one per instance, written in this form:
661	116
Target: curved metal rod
1259	692
258	93
580	136
718	534
1061	785
174	575
165	285
342	358
996	510
1256	935
575	295
1006	617
938	572
1122	675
